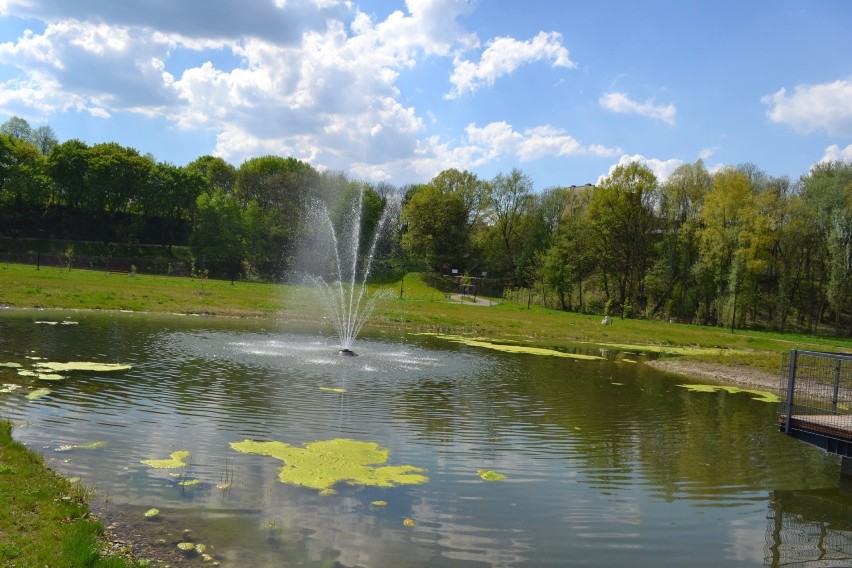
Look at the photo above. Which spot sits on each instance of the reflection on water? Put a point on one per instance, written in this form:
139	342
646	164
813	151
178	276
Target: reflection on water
810	528
607	463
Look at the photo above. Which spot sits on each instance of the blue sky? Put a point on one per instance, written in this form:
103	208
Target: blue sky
397	91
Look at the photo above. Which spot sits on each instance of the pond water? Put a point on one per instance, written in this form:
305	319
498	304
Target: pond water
607	462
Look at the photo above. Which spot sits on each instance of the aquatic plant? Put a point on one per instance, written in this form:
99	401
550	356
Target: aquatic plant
490	475
38	393
323	464
175	460
485	344
762	396
151	513
82	366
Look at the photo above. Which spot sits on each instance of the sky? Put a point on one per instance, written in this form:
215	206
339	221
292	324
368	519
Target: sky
397	91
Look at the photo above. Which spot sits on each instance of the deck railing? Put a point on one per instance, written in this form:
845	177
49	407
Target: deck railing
816	403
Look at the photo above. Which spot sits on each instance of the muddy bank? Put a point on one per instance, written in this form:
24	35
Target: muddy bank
736	376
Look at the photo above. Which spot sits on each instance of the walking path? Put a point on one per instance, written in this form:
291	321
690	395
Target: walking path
471	301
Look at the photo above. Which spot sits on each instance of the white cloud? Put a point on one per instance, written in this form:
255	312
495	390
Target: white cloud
827	106
835	153
662	168
622	103
503	56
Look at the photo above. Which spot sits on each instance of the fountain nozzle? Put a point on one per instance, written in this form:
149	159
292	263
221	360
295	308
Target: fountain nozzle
347	353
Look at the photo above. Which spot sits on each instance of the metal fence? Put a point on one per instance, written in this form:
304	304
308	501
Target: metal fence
816	401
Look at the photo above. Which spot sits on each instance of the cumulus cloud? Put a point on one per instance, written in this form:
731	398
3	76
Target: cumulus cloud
661	168
811	108
835	153
503	56
313	79
622	103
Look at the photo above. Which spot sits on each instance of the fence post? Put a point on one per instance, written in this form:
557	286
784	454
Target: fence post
791	381
836	386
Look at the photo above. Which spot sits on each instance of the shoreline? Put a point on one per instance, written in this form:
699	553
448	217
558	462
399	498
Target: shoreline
718	373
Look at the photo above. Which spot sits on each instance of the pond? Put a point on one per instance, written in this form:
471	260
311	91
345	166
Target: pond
607	462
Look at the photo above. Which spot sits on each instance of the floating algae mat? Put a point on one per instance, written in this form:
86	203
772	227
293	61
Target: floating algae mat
321	465
490	475
484	343
175	460
762	396
38	393
668	349
81	366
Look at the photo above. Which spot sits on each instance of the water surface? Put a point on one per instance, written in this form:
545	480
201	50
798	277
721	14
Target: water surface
608	463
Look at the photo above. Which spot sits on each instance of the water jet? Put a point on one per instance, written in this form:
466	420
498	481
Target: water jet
337	268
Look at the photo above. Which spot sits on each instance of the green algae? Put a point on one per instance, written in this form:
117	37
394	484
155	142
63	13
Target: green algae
151	513
379	503
38	393
81	366
490	475
759	395
9	387
11	365
323	464
333	389
189	482
523	349
51	377
175	460
89	446
408	522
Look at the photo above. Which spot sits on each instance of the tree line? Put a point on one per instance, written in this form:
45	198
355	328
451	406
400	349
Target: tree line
734	247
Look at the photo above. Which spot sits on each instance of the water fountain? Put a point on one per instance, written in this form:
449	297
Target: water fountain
339	269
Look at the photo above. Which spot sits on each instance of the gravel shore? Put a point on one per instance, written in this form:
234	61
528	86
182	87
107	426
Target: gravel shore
735	376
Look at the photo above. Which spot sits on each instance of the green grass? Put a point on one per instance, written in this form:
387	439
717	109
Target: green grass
44	519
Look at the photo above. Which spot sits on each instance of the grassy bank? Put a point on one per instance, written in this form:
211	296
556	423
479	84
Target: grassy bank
43	517
410	306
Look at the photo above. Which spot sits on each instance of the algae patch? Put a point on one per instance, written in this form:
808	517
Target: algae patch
490	475
762	396
38	393
175	460
333	389
523	349
81	366
321	465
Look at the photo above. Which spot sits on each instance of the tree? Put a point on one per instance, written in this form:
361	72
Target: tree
44	138
508	202
220	232
726	208
170	195
17	127
216	173
622	216
671	280
435	227
68	165
827	191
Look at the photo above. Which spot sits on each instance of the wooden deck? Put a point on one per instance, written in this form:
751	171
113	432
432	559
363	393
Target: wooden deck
838	426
